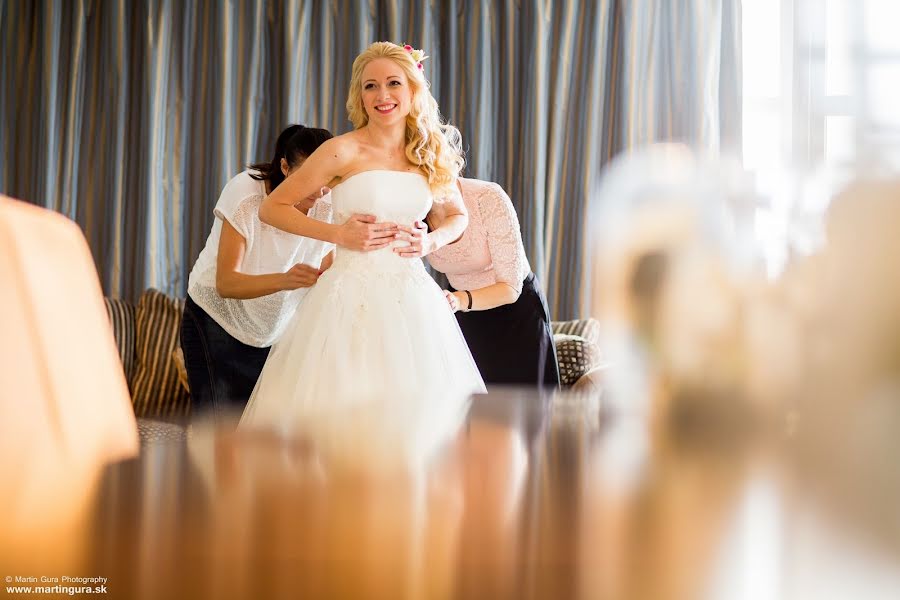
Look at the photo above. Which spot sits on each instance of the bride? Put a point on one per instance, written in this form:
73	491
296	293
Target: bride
373	341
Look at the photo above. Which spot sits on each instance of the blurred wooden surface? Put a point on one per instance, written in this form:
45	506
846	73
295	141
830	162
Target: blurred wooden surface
534	497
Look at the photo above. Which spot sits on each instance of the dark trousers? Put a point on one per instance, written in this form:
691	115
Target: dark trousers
513	344
221	370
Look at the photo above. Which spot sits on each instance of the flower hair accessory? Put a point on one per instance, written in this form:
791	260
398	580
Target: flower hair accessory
417	55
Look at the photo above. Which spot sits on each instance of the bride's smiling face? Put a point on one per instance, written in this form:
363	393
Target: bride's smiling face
386	93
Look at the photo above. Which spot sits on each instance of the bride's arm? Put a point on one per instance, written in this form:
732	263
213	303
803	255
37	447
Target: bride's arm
452	219
326	164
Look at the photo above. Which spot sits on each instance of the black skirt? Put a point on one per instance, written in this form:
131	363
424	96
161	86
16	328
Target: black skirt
513	344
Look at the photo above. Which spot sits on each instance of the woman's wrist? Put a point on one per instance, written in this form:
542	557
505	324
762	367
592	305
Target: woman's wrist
460	300
447	232
263	285
281	281
429	244
465	300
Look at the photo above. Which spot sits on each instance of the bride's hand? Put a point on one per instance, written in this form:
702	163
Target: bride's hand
362	232
452	300
420	243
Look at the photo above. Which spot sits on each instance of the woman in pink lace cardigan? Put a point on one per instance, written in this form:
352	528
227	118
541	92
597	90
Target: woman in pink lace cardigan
499	306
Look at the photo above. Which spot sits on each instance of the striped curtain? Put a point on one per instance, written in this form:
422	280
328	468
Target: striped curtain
130	115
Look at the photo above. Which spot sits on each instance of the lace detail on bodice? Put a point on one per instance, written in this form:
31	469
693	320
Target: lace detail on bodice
394	196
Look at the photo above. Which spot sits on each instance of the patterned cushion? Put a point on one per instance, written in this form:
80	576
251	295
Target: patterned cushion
155	388
158	432
588	329
121	316
576	356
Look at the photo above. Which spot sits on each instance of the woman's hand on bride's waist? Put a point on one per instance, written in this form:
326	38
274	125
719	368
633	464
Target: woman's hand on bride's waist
299	276
363	233
420	242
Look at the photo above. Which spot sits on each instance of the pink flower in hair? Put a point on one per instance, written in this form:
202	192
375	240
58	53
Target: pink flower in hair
417	55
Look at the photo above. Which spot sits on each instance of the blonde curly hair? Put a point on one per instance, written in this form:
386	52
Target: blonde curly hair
435	146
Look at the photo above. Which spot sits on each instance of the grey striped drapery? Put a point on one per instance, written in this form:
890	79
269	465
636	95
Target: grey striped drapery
129	116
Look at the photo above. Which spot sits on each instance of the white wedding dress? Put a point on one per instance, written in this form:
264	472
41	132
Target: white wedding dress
373	351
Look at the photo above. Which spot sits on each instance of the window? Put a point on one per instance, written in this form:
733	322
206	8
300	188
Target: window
821	86
821	82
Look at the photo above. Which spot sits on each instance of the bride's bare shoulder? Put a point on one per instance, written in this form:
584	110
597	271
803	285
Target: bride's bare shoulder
348	142
342	150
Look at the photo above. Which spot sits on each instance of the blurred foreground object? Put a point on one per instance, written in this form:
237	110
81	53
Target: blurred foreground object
702	340
689	313
858	287
673	264
849	426
65	411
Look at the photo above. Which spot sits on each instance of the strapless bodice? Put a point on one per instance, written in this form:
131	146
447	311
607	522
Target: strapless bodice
396	196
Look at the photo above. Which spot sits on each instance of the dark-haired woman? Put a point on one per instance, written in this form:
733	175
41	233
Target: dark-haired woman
248	280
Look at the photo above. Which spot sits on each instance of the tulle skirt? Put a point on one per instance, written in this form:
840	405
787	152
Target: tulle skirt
373	358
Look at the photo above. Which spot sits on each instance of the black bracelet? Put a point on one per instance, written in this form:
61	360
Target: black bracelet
469	294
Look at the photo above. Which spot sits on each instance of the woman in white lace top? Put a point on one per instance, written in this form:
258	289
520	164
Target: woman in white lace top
249	279
498	303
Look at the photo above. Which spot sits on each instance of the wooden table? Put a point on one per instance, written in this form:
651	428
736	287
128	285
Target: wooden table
533	497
